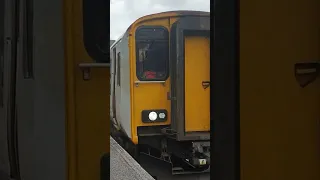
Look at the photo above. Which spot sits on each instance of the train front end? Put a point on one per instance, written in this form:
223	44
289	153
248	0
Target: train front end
171	88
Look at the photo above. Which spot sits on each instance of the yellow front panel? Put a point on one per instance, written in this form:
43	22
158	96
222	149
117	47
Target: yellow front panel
148	96
197	70
279	120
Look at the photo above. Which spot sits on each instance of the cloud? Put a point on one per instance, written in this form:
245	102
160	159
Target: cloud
125	12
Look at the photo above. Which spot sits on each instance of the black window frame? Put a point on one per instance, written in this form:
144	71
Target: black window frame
114	58
155	40
118	69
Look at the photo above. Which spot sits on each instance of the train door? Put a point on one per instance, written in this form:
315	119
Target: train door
113	84
10	57
190	78
4	161
117	85
197	83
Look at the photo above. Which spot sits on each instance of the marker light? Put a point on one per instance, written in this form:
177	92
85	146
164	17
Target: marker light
153	116
162	115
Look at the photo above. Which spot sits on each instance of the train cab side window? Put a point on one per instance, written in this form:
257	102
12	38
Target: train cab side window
118	68
152	53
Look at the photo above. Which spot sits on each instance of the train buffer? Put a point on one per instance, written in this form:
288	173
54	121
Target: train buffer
123	166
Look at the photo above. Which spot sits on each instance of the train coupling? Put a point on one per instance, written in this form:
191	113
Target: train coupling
199	161
201	153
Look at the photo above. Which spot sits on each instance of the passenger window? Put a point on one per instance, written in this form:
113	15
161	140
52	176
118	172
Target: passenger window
152	53
114	55
118	69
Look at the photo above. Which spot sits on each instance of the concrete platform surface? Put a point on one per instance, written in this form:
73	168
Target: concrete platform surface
123	166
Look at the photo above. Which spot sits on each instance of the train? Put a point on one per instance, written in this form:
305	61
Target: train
160	89
54	85
54	65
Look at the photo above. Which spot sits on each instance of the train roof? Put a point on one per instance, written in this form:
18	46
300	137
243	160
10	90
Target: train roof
116	41
163	15
169	14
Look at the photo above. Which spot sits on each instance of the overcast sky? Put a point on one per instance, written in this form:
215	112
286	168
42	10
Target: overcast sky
125	12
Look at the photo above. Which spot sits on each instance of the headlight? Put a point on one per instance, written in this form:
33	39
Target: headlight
153	116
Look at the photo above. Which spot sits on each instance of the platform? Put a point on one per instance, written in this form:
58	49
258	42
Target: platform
123	166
